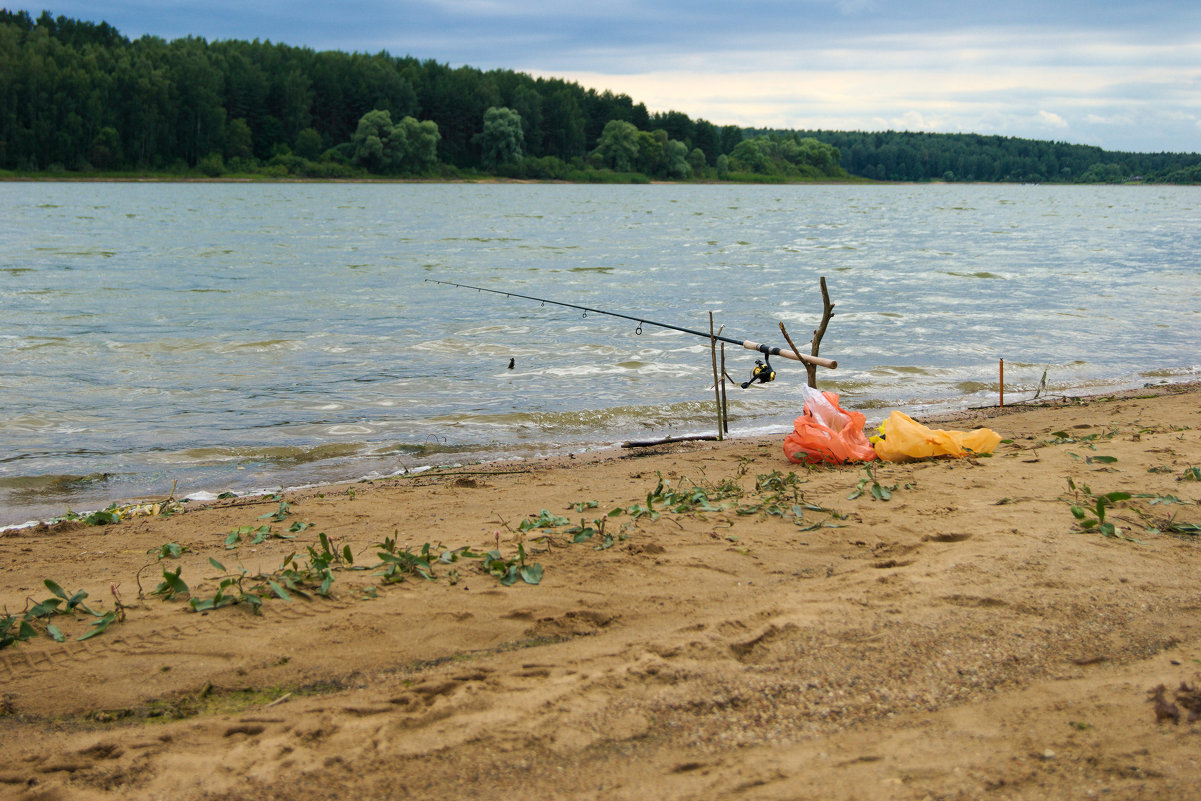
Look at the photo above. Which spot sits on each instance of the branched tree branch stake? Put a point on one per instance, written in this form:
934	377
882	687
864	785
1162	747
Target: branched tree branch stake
827	313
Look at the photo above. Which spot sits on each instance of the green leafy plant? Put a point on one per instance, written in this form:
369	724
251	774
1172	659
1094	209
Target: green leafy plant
637	511
509	570
169	550
1087	440
256	534
396	565
585	531
1191	474
544	520
1171	525
232	589
171	586
297	578
779	495
870	485
280	514
325	559
14	629
73	600
1090	510
101	624
690	497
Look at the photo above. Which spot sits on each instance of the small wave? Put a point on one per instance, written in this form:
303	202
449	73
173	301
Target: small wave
1170	373
262	345
891	370
281	455
974	275
52	484
585	421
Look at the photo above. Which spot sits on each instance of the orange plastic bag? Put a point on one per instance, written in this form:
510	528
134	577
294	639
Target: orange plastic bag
826	432
905	439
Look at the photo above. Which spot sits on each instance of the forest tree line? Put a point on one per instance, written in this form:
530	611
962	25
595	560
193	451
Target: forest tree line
78	97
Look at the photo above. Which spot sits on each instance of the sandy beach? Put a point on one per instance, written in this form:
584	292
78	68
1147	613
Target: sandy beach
708	621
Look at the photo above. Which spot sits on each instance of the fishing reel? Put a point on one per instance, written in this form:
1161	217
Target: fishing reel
761	373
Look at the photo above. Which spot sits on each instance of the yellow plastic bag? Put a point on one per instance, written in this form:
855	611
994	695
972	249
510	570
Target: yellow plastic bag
905	439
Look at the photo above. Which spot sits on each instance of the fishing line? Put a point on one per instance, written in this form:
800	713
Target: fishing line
762	373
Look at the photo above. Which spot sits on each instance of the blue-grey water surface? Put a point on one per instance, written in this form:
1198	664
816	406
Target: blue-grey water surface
247	336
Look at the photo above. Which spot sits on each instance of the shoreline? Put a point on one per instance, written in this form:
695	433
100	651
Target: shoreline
690	620
197	497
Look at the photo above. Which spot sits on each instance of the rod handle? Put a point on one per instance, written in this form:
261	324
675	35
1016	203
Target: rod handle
788	354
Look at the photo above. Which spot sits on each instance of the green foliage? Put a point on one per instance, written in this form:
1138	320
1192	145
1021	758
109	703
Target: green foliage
171	585
870	485
212	165
257	534
1099	173
279	514
502	141
546	168
786	155
1090	510
408	146
779	495
544	520
397	565
617	148
170	550
909	156
509	570
73	601
233	588
14	629
309	144
99	626
239	140
79	97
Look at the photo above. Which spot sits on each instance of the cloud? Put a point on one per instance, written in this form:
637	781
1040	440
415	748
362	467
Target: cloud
1052	120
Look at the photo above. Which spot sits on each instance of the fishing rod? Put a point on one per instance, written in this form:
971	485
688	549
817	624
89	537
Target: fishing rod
762	373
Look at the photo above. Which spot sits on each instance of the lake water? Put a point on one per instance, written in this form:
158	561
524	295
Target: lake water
240	337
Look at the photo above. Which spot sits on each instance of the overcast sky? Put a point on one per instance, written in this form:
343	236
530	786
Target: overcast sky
1120	74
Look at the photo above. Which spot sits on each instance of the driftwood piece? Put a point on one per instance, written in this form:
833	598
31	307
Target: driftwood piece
650	443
